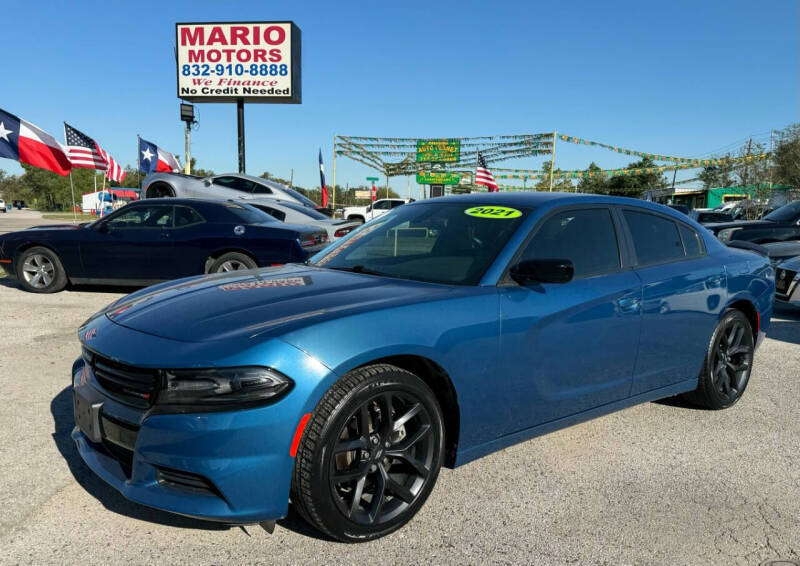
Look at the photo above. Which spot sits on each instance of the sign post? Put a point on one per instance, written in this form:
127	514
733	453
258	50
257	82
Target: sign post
239	62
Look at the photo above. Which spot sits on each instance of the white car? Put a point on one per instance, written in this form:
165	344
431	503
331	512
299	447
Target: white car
3	205
378	208
296	214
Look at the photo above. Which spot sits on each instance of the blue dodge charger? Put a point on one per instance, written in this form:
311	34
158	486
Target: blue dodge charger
439	333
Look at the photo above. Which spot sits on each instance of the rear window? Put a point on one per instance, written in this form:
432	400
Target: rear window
310	212
246	214
787	213
300	197
655	238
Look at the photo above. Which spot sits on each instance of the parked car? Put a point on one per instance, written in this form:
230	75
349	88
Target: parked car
787	282
221	187
154	240
441	332
378	208
682	208
291	213
3	205
708	216
779	225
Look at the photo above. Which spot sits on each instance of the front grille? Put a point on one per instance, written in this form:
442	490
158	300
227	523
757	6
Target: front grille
127	384
186	481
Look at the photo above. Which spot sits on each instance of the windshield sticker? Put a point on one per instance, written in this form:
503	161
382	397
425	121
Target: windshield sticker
262	283
493	212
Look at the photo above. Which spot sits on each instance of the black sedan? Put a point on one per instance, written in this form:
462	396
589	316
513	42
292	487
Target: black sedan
154	240
779	225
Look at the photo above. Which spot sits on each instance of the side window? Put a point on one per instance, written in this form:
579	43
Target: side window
277	214
585	237
186	216
396	203
235	183
261	189
154	216
691	242
655	238
382	205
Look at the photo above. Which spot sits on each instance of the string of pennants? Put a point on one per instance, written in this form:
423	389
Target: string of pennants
583	173
397	156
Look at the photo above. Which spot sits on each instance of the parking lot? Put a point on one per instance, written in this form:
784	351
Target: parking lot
660	483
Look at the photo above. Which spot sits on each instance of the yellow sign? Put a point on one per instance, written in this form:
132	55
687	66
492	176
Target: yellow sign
493	212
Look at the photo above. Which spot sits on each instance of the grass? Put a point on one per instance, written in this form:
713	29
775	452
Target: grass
68	216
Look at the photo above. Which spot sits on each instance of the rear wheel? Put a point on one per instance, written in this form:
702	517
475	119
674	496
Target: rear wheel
729	360
232	261
370	454
40	271
160	190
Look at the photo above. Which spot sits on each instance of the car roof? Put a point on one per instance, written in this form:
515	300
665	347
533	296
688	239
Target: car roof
536	198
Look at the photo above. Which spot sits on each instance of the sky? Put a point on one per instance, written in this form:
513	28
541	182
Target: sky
681	78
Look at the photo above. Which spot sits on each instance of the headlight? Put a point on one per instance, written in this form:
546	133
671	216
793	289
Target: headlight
219	386
725	235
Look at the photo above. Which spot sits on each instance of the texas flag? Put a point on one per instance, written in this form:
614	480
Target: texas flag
152	158
24	142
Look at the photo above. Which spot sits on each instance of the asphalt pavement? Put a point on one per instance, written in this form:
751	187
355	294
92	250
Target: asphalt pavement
660	483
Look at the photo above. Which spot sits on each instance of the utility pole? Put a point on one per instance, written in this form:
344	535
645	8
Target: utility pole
187	167
240	128
291	178
552	160
746	176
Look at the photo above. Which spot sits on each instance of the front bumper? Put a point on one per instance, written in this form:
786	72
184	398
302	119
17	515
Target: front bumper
231	466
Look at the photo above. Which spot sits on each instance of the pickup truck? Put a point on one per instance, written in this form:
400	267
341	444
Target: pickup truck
378	208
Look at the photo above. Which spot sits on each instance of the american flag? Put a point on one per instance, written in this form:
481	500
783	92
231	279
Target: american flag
82	150
115	172
483	176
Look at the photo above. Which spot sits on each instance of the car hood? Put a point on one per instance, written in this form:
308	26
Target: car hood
717	226
55	227
261	304
793	264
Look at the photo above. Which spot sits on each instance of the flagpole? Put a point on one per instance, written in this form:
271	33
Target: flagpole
333	205
138	179
552	160
72	188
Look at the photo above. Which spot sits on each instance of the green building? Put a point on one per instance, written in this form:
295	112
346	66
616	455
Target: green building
710	198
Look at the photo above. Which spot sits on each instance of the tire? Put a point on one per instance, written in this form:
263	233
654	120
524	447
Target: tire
40	271
728	363
349	451
232	261
160	190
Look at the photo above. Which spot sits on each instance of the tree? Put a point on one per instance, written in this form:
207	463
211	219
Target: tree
754	171
714	176
559	183
786	157
596	183
635	185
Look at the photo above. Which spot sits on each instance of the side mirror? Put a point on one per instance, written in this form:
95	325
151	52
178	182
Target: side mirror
543	271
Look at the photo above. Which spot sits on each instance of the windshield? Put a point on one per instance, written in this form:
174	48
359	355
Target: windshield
786	213
305	200
310	212
452	243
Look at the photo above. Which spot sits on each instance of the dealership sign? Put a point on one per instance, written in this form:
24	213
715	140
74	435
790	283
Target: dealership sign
438	151
440	178
253	61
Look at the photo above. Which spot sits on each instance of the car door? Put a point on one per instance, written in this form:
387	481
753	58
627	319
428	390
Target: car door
682	298
569	347
132	244
192	242
380	208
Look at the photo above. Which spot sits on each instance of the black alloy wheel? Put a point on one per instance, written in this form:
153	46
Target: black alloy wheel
728	363
370	454
382	459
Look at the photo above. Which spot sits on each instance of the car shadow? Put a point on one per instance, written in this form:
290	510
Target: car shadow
61	409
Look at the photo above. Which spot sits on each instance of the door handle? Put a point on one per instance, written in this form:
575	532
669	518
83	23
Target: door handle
628	304
164	235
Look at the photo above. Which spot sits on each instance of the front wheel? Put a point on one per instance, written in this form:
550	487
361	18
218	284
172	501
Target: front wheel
370	454
729	360
40	271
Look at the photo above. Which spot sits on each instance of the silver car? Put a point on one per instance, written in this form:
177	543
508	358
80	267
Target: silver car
292	213
222	187
787	282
